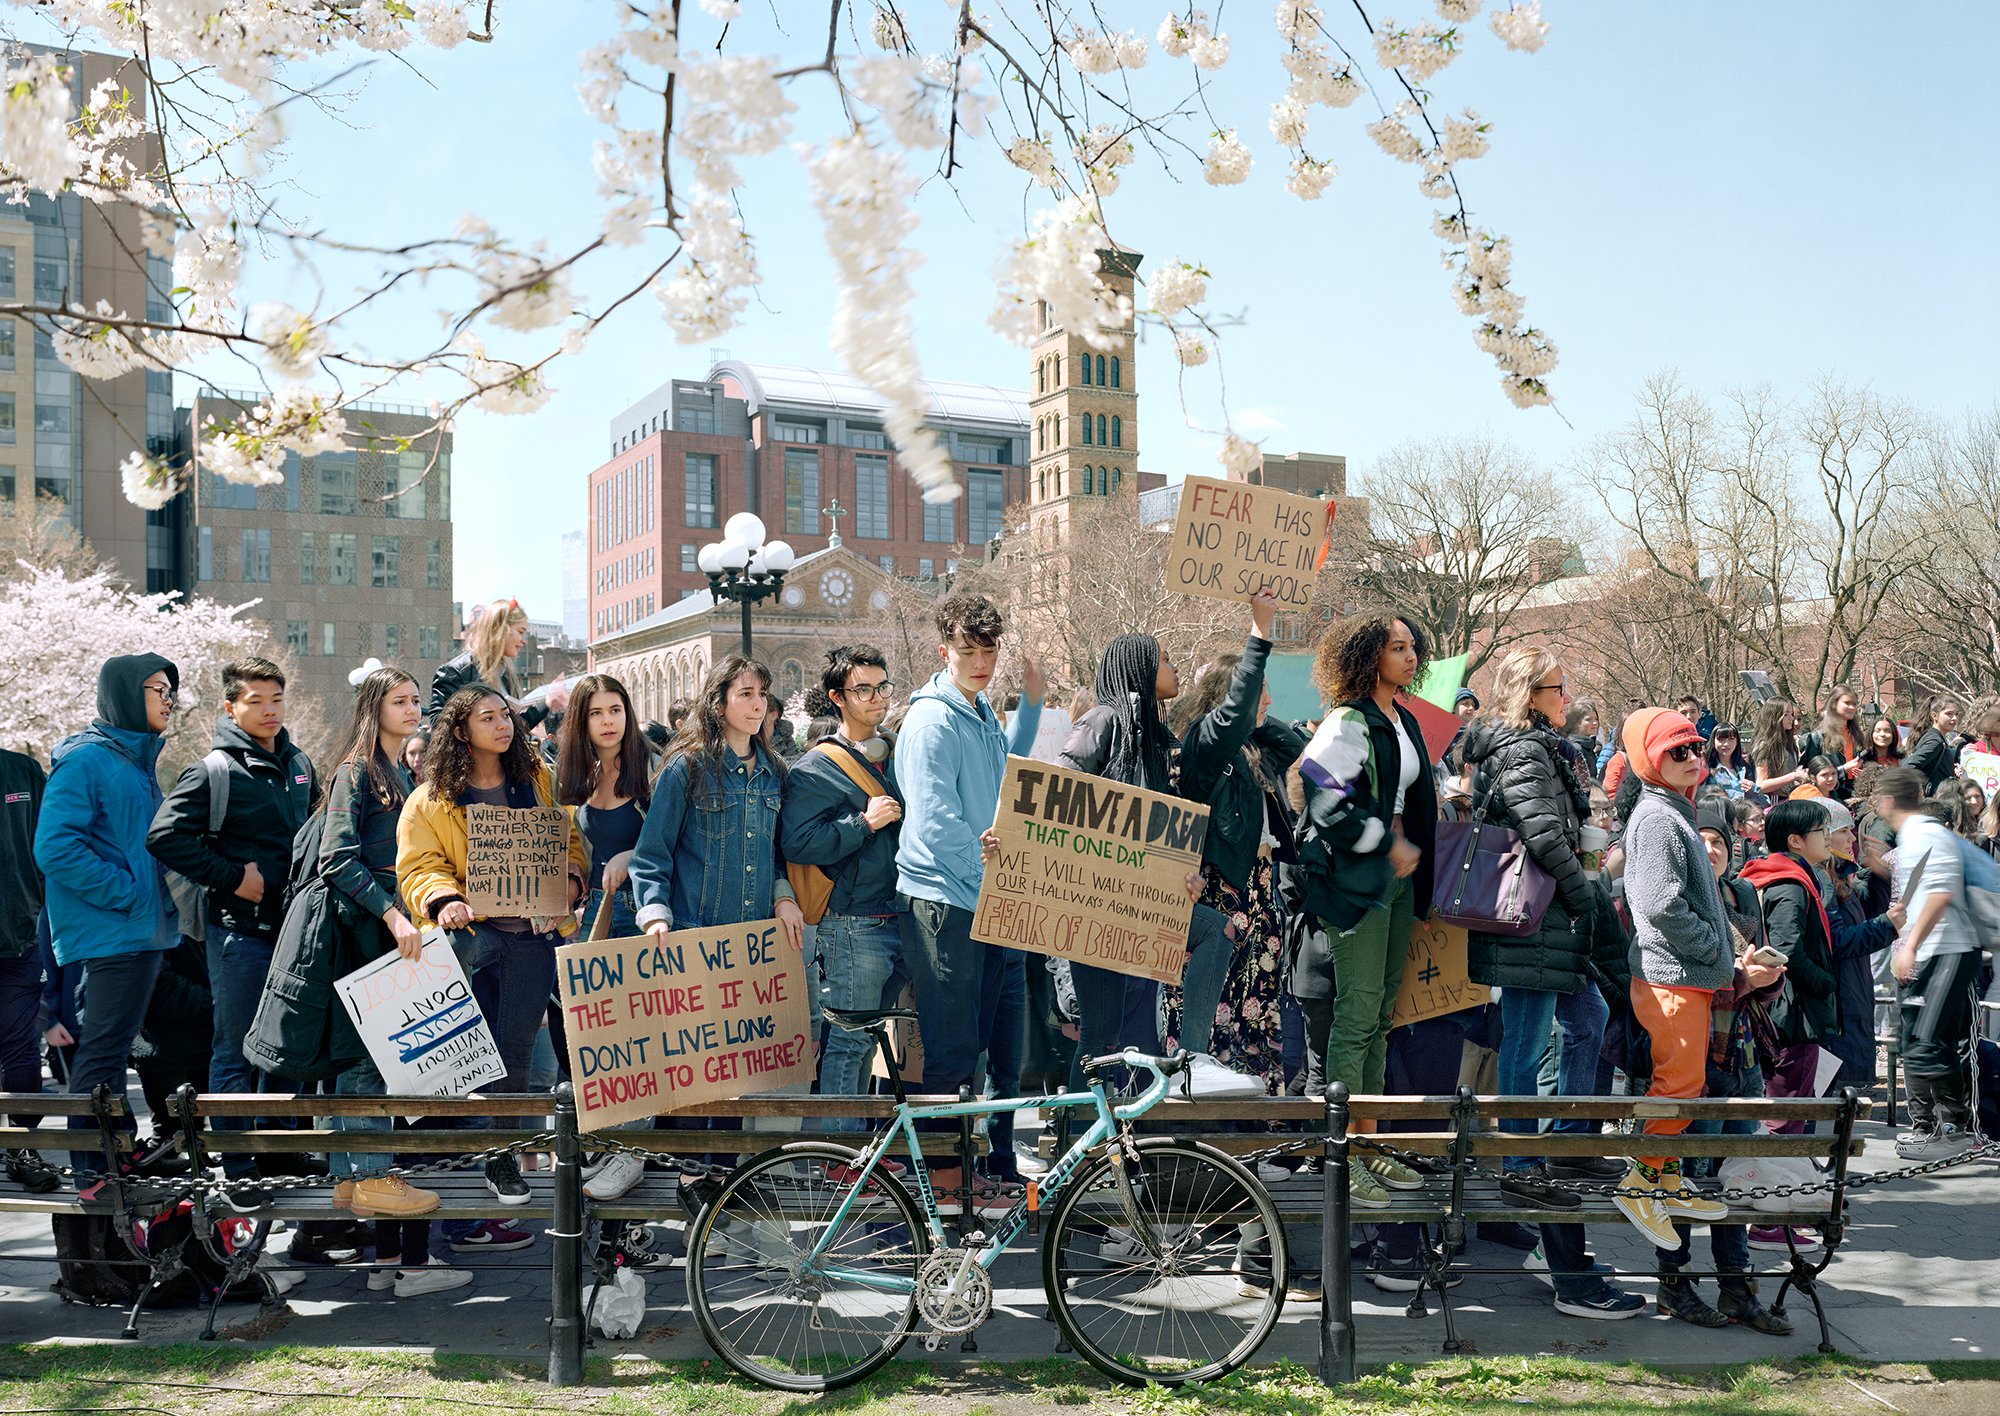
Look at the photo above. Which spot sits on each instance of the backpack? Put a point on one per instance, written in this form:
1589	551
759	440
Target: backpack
812	887
1982	891
190	899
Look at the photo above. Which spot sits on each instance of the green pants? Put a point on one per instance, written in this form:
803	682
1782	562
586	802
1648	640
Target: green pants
1368	973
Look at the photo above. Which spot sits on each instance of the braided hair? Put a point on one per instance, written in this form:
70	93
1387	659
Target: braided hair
1127	680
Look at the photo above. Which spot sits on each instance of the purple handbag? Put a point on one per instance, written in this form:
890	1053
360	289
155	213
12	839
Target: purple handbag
1486	880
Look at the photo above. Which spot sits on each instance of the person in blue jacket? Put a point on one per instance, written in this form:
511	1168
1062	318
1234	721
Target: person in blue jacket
950	758
106	896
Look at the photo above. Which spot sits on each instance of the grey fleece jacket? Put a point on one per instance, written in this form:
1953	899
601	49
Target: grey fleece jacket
1680	937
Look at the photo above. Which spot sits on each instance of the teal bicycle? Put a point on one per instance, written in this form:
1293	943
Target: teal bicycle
812	1264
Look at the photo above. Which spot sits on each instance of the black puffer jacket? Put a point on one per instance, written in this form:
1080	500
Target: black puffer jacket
1522	779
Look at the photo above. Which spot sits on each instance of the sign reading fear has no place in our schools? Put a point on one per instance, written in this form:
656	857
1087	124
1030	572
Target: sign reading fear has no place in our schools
1091	870
1233	539
516	860
661	1024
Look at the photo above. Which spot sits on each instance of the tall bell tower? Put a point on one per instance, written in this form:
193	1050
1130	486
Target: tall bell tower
1084	411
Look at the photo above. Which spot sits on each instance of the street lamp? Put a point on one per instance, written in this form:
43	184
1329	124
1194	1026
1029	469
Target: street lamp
742	567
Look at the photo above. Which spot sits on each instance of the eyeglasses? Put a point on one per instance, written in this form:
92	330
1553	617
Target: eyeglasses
167	695
1561	687
866	691
1686	752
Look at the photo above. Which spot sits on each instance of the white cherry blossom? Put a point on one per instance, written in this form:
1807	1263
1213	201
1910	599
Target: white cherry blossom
1175	286
1191	348
1239	456
293	344
1310	178
1228	161
1211	51
1520	26
35	145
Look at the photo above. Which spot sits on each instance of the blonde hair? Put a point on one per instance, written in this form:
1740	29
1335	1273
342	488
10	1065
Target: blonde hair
1514	684
486	640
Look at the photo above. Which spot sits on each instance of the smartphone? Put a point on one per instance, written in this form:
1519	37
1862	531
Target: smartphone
1771	958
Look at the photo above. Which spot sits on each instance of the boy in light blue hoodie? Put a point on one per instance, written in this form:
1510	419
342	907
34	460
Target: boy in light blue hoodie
950	757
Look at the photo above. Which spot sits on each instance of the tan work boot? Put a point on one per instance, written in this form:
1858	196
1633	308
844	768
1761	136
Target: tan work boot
343	1194
1645	1208
392	1197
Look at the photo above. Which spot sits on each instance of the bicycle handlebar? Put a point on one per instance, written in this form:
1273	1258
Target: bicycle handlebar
1162	1069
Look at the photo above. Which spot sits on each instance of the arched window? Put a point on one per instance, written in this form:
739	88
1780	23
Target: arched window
1086	430
1058	370
1117	476
1042	376
1084	377
1042	484
1114	372
1117	431
1100	432
1100	369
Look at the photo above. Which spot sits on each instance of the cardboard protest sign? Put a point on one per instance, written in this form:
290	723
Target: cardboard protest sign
516	860
1434	976
420	1024
1050	734
908	1040
661	1024
1091	870
1233	539
1983	768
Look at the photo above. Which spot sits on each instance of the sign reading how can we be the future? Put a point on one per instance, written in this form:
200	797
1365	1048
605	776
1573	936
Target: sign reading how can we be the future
661	1024
1233	539
1091	870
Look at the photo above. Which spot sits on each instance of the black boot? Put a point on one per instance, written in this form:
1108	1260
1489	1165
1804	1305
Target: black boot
1738	1303
1681	1298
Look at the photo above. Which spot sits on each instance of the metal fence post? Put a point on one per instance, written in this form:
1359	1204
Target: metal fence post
566	1250
1336	1302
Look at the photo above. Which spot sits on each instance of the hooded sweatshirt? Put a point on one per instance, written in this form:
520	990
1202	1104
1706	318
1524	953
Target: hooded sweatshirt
106	894
950	757
1680	935
22	783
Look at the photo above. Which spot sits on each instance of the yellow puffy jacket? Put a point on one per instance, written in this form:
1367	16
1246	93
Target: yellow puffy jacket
430	851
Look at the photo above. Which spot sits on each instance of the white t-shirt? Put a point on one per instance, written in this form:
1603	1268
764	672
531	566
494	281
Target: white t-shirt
1411	763
1944	871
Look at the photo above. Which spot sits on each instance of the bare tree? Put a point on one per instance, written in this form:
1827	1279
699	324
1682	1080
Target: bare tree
1941	620
1457	533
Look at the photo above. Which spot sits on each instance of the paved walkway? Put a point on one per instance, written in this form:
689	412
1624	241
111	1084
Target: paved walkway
1913	1282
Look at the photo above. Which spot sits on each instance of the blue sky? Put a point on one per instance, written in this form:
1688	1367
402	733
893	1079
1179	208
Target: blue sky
1744	193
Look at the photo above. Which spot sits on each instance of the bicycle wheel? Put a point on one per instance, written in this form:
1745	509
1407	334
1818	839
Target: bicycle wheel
772	1311
1141	1277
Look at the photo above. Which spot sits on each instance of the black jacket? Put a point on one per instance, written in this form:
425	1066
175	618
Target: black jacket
461	672
270	796
1522	781
179	1028
1341	883
1215	769
21	785
1088	749
821	823
1806	1007
1934	758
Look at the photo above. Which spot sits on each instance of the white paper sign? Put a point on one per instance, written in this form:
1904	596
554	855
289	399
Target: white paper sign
421	1024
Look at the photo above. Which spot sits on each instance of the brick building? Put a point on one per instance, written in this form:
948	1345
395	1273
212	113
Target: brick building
807	451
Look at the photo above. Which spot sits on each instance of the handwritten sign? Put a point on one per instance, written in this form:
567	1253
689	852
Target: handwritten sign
516	860
1434	976
661	1024
1091	870
420	1023
1983	768
908	1041
1233	539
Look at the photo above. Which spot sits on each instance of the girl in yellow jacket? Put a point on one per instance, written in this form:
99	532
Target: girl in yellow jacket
479	753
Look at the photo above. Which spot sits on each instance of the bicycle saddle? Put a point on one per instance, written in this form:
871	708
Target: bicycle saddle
855	1019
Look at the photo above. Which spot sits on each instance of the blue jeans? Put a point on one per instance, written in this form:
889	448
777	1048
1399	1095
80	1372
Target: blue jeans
237	964
1210	952
20	1003
624	913
116	991
359	1080
513	977
1114	1011
864	969
1527	1016
1729	1244
1003	1059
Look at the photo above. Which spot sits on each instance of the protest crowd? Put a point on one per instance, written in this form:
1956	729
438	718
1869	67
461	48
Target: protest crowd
1723	906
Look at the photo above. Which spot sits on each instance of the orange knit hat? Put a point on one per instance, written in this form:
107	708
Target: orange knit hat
1648	734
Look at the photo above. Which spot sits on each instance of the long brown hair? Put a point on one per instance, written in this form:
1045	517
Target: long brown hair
1834	729
703	738
1348	661
448	760
487	639
363	745
1772	749
577	763
1869	752
1211	686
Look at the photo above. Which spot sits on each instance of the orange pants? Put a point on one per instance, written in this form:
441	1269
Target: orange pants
1676	1019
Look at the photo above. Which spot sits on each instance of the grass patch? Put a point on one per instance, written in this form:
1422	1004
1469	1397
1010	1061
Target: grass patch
237	1380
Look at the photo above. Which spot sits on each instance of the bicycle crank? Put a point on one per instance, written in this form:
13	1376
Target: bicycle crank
954	1294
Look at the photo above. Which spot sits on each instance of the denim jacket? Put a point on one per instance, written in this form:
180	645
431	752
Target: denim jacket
704	863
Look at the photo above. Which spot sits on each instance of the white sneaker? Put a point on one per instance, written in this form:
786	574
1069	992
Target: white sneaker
283	1280
615	1177
1271	1173
381	1280
434	1277
1208	1080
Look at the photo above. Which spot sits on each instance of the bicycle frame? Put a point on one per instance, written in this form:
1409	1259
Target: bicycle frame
1009	1227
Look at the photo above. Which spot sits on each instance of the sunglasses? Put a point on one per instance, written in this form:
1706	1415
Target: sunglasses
1686	752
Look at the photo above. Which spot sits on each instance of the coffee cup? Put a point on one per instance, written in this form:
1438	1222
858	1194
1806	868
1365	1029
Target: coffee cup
1592	843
